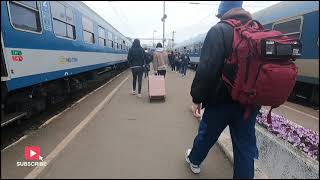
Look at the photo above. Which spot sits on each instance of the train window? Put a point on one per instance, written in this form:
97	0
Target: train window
110	42
102	42
124	45
59	28
291	28
69	16
63	21
88	34
29	3
88	37
25	15
58	11
87	24
116	46
71	32
102	36
101	32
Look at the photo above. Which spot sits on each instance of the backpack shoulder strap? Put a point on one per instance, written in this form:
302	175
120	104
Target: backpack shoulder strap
238	23
232	22
227	35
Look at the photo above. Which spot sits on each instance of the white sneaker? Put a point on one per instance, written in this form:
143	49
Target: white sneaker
133	92
194	168
139	95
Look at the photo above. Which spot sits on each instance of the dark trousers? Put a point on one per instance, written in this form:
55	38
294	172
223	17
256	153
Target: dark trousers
184	69
162	72
173	66
214	121
146	73
178	66
137	73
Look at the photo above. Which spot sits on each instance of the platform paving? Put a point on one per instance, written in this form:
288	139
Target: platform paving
128	138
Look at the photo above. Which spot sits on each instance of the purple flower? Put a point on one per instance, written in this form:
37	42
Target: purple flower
302	138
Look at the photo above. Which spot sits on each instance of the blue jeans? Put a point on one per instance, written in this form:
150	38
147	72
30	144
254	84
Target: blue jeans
214	121
183	69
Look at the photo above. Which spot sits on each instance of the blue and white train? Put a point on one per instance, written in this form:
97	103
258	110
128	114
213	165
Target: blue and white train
193	48
294	18
49	49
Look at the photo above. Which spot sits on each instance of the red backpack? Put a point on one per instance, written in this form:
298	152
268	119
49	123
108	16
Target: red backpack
260	71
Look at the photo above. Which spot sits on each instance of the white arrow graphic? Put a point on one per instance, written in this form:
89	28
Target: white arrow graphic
32	153
41	158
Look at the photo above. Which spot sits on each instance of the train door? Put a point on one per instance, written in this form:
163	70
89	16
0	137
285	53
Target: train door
4	70
4	73
4	77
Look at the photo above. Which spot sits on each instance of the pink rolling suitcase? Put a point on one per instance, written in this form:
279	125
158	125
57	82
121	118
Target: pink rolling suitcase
156	87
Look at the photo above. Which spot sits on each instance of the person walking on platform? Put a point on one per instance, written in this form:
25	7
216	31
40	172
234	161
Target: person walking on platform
136	59
148	60
160	60
171	57
179	60
184	64
176	62
220	109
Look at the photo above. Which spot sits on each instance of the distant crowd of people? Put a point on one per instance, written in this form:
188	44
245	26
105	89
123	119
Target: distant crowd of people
179	62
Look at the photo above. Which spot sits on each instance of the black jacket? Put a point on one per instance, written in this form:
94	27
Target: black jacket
136	56
148	58
185	59
207	88
171	58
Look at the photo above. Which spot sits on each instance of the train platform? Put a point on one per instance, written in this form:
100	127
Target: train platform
113	134
305	116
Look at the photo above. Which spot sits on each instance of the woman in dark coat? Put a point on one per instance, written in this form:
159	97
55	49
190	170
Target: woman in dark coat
136	59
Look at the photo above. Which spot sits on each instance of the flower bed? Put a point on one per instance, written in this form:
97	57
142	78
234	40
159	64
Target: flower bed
304	139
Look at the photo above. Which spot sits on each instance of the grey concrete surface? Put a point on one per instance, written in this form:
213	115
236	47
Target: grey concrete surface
304	109
128	138
49	136
279	159
291	112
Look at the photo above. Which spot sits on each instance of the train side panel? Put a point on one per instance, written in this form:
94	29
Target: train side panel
40	68
47	57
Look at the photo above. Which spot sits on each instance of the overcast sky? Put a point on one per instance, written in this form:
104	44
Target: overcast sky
138	19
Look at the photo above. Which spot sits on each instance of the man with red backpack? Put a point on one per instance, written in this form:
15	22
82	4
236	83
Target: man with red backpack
242	66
